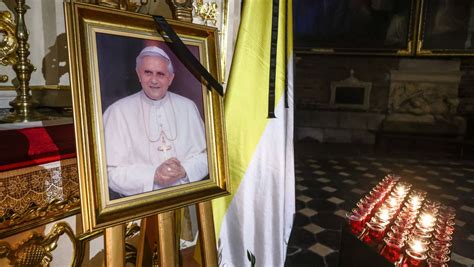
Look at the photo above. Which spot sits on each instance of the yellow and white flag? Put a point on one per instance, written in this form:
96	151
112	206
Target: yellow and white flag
254	223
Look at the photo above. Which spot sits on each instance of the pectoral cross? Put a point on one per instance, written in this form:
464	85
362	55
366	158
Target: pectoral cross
164	147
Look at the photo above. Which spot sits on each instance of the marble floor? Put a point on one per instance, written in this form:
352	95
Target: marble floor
330	179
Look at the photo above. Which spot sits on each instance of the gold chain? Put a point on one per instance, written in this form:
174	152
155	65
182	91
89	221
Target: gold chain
162	133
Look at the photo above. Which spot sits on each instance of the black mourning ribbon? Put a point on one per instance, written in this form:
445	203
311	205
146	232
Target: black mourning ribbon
273	59
183	53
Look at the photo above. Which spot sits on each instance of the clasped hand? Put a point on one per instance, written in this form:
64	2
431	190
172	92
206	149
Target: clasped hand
169	172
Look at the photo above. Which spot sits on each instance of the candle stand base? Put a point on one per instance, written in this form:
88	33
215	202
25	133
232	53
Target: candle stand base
354	252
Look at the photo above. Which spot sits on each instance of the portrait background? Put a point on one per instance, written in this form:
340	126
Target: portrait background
116	57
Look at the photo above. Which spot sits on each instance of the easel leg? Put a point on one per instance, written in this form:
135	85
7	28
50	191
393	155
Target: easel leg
115	246
207	235
167	239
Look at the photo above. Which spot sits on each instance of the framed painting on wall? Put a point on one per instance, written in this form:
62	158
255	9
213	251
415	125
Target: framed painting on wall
355	26
446	27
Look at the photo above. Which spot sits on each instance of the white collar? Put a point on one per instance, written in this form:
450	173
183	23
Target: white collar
155	103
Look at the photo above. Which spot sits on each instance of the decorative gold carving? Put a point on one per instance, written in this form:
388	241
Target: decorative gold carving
9	44
131	251
55	207
132	229
123	4
206	11
37	193
80	247
182	10
36	250
132	6
108	3
23	104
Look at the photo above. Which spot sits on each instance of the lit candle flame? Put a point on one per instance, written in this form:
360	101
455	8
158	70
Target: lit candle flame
384	215
415	201
426	220
417	246
392	202
401	190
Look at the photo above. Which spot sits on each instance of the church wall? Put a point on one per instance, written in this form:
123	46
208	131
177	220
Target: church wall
315	117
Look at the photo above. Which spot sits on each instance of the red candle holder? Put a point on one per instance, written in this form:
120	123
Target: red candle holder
444	229
375	233
438	253
365	206
418	192
430	206
444	224
393	177
447	218
440	246
413	203
434	263
398	231
414	258
437	259
401	189
442	238
393	249
405	219
356	222
421	233
413	211
447	210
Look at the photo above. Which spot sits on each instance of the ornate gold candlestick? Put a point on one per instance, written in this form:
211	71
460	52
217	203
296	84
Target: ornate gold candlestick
24	103
183	10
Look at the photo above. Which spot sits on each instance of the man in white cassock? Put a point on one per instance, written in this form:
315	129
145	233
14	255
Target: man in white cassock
154	138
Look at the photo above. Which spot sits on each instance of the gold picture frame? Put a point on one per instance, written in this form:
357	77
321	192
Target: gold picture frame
445	28
98	34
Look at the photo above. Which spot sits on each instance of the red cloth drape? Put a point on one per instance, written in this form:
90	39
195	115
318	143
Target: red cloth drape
32	146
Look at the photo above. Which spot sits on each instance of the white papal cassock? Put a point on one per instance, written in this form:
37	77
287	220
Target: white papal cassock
141	133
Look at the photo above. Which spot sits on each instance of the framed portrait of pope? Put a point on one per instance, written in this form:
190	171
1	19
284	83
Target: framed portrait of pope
149	134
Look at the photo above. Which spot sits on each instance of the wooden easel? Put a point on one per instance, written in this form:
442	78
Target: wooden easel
167	234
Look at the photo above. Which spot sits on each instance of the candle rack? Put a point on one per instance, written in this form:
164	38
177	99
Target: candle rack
397	225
